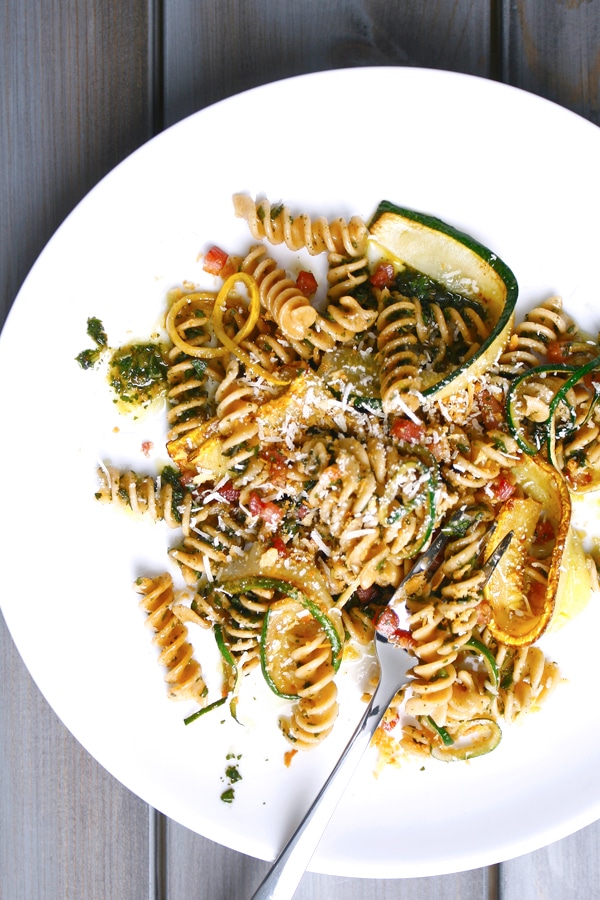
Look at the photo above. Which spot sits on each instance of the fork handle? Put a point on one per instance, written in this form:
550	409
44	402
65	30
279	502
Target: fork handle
287	870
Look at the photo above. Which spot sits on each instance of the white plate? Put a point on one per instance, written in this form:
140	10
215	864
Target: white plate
517	172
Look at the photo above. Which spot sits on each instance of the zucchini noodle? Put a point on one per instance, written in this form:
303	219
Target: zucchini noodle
226	341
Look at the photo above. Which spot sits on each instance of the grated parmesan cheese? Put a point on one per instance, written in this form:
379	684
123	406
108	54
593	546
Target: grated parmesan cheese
358	533
318	540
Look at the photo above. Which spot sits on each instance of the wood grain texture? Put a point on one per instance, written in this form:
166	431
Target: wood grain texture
566	870
213	50
552	48
74	100
68	829
222	874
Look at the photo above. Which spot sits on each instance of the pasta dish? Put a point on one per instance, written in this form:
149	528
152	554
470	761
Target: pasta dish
321	434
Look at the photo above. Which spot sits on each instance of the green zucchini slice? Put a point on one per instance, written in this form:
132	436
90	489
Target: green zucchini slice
529	434
450	313
290	624
469	739
588	477
488	658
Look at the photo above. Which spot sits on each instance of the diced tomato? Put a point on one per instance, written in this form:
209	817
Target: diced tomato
387	625
307	283
544	532
502	488
383	275
389	722
365	595
387	622
558	351
492	411
147	446
255	505
537	596
407	430
279	545
214	260
229	493
272	514
269	512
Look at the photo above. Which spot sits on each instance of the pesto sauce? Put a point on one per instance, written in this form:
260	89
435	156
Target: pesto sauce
87	359
412	283
138	373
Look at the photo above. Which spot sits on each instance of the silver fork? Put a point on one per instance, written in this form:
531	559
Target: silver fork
395	664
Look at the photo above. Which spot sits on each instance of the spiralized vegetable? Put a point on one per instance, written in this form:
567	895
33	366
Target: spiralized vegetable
303	496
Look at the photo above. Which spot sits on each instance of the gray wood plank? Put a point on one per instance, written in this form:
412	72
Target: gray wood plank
217	873
215	49
68	829
552	48
74	100
566	870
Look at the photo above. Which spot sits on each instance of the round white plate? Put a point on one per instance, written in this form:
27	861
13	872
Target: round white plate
517	172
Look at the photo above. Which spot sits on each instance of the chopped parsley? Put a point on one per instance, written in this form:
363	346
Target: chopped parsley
87	359
232	774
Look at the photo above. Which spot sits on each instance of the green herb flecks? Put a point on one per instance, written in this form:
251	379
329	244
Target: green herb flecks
138	373
232	774
87	359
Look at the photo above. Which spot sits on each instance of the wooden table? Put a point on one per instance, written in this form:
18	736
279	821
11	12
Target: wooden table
83	83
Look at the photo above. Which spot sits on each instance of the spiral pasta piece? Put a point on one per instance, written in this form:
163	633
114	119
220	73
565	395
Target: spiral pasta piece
345	316
243	627
530	338
527	678
477	465
237	400
314	715
278	226
184	674
431	688
271	349
441	625
190	392
280	296
398	343
196	556
160	498
240	619
419	340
